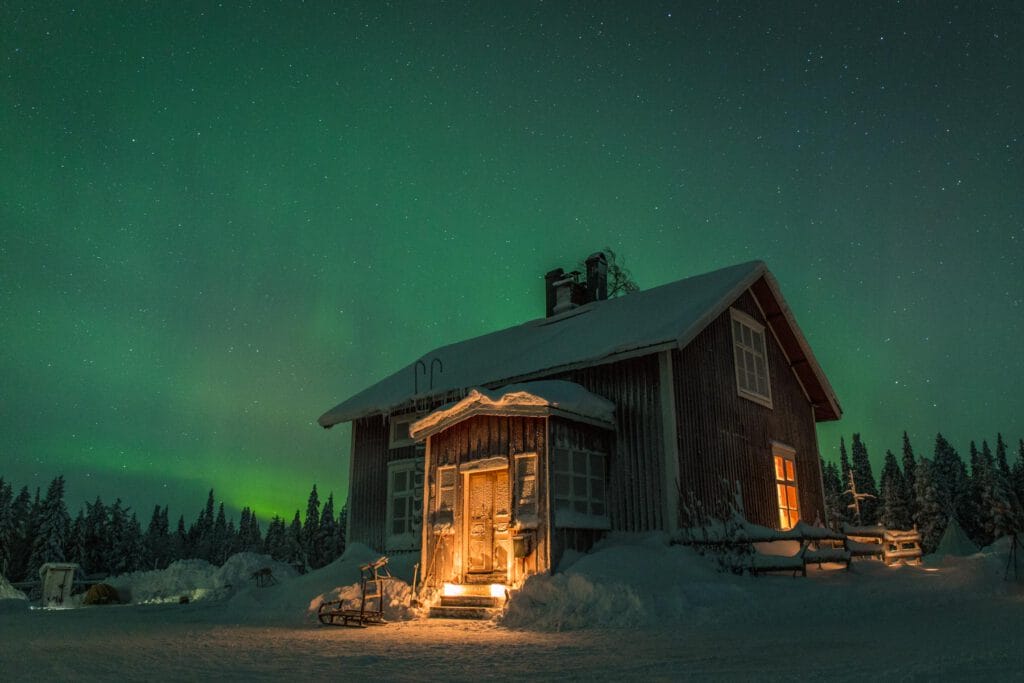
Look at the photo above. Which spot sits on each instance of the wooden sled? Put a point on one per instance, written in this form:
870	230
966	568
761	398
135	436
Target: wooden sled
371	583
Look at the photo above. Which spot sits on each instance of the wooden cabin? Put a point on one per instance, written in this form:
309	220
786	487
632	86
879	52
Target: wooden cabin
492	456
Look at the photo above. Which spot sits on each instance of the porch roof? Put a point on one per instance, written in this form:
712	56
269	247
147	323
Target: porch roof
532	399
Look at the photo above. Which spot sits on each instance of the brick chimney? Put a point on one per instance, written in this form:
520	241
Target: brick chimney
550	298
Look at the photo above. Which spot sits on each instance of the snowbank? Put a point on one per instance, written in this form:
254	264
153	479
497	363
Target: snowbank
296	600
11	599
625	581
196	579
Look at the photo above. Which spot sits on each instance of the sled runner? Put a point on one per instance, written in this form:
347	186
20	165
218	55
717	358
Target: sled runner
371	583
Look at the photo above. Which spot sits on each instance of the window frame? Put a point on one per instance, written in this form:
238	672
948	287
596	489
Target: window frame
739	320
785	481
523	463
572	517
409	538
395	441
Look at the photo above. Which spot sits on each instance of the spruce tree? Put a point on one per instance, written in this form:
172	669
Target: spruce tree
219	541
931	517
95	549
327	534
310	531
950	477
894	512
296	556
7	529
182	550
342	530
835	511
1001	462
969	508
76	542
53	533
865	481
844	463
116	544
275	543
1017	474
909	477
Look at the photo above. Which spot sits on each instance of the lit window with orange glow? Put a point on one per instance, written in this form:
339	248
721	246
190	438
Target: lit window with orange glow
785	486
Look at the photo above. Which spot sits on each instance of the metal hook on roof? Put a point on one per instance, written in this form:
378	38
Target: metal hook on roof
416	375
440	371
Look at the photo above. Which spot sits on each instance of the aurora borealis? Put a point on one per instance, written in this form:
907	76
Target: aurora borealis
219	221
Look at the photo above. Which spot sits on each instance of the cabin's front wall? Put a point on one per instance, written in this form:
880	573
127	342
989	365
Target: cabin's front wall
465	446
723	436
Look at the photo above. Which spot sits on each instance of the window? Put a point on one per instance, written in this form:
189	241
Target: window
400	424
526	487
785	486
580	490
446	488
751	359
405	500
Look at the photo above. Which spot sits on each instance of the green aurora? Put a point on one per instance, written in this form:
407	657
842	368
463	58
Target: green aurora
217	222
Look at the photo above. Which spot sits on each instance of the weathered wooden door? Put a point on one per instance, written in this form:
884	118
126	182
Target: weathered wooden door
488	517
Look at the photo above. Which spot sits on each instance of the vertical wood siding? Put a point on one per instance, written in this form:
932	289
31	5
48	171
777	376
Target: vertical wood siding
725	436
635	462
368	490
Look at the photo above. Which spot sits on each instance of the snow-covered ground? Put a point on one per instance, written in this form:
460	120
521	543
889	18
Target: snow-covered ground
635	608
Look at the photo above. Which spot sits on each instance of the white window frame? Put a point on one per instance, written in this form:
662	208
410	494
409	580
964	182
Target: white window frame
785	480
409	537
396	441
567	501
745	352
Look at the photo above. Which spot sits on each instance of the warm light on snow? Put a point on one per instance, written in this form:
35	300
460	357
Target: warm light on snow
453	589
497	590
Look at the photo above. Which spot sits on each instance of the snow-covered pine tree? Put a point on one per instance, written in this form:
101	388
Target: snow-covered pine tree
930	517
865	480
76	540
998	506
909	476
219	541
327	534
296	555
1017	474
132	546
116	560
1001	461
275	543
342	530
309	531
835	511
844	462
893	512
233	543
157	541
950	478
969	508
27	511
51	540
7	532
95	550
181	549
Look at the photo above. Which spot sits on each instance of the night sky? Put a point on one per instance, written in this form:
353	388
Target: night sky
218	222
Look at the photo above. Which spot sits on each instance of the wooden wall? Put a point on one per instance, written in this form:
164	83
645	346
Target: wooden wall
368	488
722	435
636	462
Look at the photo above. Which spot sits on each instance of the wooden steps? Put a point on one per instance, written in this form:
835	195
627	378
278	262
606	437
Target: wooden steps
472	602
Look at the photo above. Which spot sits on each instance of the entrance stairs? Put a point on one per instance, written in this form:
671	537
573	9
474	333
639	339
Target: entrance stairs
469	601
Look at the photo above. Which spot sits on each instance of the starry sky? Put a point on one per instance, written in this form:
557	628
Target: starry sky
218	221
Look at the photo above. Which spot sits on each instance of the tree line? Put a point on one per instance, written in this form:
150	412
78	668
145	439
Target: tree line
986	499
108	539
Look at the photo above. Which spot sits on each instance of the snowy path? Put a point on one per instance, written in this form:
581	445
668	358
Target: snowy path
952	635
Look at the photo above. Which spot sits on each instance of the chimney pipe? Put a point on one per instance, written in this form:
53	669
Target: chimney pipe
597	277
550	297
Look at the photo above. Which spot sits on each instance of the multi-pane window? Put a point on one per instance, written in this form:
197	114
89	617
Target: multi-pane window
399	435
446	488
749	349
405	485
526	486
785	486
580	489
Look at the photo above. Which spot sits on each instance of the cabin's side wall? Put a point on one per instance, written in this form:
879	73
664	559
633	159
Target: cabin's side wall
723	436
473	439
368	489
636	465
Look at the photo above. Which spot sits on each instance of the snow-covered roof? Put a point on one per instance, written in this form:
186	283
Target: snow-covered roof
664	317
548	397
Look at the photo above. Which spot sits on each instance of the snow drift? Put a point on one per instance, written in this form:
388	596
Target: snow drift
11	599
